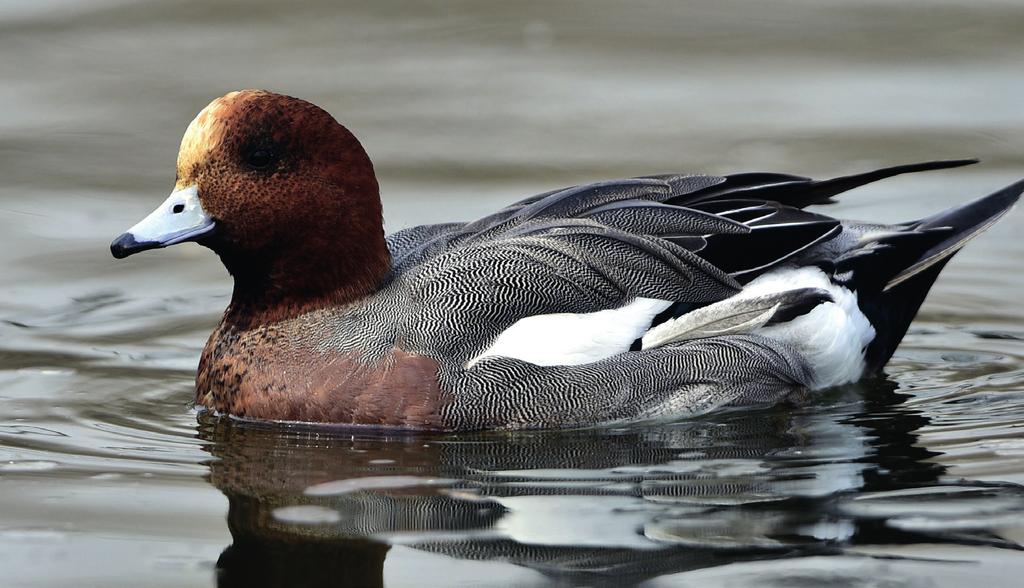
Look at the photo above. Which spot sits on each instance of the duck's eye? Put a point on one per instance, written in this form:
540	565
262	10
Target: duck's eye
260	158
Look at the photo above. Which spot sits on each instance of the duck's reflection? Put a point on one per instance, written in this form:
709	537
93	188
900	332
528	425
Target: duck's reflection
316	508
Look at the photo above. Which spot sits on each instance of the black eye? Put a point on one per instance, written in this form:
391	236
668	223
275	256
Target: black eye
260	158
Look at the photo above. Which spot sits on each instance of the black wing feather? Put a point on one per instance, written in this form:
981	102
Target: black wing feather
708	227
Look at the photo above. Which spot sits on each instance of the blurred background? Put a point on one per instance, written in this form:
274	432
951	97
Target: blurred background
463	106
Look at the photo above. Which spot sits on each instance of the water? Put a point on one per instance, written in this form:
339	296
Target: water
108	478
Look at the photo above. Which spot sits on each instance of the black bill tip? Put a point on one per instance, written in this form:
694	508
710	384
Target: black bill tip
126	245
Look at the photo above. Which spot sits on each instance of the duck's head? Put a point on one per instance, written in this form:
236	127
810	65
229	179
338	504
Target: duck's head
282	192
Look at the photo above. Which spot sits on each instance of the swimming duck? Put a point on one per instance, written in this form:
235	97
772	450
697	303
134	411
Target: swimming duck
653	297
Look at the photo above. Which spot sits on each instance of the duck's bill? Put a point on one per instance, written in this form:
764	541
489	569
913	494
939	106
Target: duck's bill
180	218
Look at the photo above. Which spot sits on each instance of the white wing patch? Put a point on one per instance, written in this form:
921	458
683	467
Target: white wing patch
575	339
831	338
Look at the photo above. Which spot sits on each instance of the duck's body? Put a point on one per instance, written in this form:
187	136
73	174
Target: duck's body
644	298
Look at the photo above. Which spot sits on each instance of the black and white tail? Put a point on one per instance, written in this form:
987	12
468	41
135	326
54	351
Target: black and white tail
893	268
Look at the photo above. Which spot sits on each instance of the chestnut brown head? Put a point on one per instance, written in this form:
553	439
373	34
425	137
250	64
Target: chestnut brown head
279	189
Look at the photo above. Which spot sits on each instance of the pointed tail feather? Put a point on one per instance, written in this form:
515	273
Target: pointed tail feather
894	271
967	221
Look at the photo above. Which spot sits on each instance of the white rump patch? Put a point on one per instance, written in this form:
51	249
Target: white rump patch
575	339
832	337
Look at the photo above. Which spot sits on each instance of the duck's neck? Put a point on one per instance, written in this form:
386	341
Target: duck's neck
277	286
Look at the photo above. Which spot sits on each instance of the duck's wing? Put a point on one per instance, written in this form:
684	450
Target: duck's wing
771	205
418	244
669	243
759	200
469	294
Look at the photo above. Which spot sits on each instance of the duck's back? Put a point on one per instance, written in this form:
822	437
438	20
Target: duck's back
664	295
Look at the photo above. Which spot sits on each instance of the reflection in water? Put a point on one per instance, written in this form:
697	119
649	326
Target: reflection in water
321	507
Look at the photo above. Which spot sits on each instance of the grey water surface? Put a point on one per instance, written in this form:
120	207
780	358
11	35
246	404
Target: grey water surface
109	478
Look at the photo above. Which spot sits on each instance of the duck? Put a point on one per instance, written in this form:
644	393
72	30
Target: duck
649	298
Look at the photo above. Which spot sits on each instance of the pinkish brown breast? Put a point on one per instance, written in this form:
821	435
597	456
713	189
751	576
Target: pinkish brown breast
252	374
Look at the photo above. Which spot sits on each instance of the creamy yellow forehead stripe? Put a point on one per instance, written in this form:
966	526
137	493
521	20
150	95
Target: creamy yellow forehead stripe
203	135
